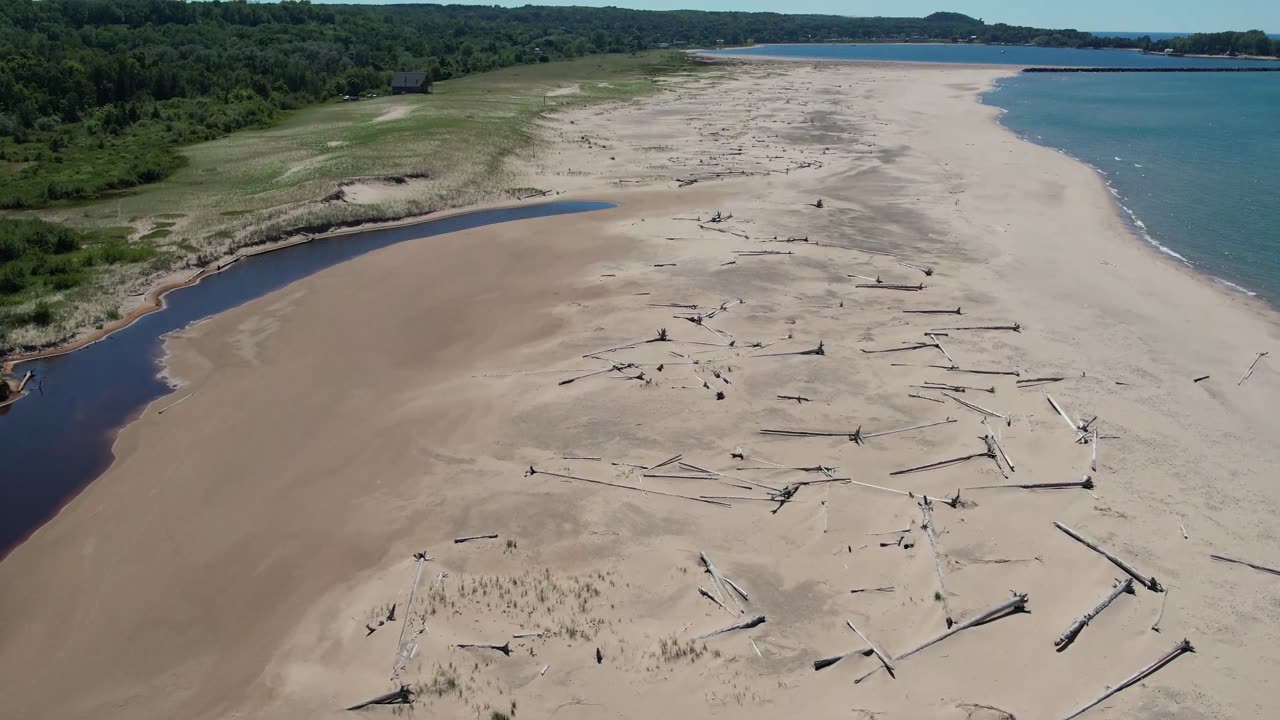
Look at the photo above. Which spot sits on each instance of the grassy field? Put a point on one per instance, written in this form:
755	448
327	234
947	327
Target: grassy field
256	185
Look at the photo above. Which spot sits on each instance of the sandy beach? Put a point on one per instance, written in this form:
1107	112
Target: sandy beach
241	556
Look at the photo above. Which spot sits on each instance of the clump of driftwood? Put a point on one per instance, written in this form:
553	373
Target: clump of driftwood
726	590
661	337
788	493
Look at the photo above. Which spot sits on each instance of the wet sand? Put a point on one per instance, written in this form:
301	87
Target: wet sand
229	561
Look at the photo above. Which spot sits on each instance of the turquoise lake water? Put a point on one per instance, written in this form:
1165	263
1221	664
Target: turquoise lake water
1193	159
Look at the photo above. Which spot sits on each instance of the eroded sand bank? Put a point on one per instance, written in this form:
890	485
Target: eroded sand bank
229	561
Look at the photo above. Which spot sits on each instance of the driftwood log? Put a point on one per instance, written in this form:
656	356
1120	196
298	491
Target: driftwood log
504	648
1260	568
719	583
1016	603
1164	600
926	509
826	662
1032	382
885	660
1178	651
469	538
744	625
934	312
977	408
889	286
1069	635
1061	412
420	560
1251	367
952	502
944	463
534	471
1147	582
1086	484
403	696
1016	327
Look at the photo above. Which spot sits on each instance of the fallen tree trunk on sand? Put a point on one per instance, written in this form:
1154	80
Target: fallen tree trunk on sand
1016	327
1016	603
1086	484
888	286
943	463
934	312
504	648
744	625
1251	367
403	696
1069	636
884	659
1178	651
533	471
1260	568
1147	582
926	508
826	662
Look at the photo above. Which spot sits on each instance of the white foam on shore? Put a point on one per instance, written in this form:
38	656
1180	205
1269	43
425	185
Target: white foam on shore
1135	223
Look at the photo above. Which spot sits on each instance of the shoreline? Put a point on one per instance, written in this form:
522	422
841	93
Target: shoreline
153	299
1132	222
1135	224
318	468
726	51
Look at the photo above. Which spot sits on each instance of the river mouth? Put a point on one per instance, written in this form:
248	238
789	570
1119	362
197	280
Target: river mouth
59	439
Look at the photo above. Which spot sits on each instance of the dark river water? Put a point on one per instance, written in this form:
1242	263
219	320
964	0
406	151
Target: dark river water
57	440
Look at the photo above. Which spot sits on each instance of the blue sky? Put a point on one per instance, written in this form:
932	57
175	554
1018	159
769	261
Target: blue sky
1146	15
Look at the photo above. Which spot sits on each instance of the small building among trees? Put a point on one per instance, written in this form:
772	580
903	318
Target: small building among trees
410	82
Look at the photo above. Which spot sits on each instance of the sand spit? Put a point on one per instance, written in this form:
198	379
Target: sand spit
243	554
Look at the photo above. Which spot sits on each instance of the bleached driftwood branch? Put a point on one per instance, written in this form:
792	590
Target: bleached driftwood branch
1069	636
1017	602
1178	651
744	625
1147	582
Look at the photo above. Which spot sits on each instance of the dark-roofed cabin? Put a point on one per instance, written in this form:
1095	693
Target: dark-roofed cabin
410	82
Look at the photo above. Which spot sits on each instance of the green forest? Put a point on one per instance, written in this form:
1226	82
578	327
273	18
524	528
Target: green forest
96	95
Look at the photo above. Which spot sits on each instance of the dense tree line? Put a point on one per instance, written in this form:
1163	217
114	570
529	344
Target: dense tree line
37	257
95	94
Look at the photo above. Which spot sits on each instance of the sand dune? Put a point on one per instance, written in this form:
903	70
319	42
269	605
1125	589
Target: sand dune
234	558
